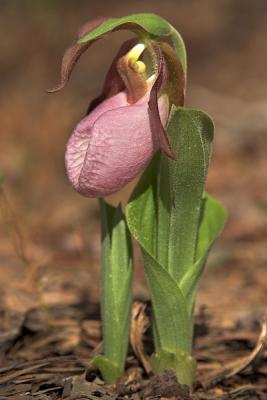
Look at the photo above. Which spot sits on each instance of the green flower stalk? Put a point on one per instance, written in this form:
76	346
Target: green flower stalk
138	124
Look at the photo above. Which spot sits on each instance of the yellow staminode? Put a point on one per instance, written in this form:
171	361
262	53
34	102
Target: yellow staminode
133	55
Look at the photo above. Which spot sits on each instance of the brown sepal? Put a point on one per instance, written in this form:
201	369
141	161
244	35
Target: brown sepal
74	52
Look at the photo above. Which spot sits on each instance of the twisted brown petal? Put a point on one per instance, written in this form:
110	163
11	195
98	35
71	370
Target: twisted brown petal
155	121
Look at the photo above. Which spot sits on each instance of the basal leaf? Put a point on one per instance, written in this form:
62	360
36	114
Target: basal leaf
179	189
212	222
191	134
171	319
175	228
163	215
170	310
141	210
169	194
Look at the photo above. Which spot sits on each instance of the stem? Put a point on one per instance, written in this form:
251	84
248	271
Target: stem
116	292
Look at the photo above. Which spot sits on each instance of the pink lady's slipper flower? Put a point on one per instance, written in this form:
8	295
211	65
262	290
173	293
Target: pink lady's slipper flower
125	125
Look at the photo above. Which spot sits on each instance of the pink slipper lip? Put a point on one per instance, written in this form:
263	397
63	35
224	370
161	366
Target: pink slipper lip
112	145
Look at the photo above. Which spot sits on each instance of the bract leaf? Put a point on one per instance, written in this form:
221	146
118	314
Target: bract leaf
150	24
146	22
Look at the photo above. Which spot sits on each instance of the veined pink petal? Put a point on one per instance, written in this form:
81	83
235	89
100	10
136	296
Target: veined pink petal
112	144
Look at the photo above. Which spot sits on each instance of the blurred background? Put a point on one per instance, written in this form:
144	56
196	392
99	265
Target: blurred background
52	233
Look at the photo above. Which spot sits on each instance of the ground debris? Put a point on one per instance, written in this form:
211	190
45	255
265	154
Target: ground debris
81	388
166	386
139	324
247	392
232	368
222	363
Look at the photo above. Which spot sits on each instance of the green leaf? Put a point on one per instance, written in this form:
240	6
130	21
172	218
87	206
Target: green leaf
172	322
142	208
177	192
212	221
191	134
116	282
169	307
163	215
150	23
